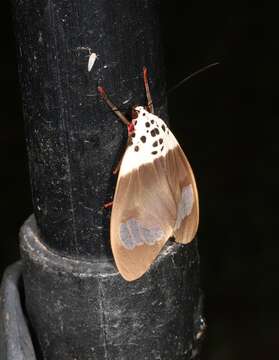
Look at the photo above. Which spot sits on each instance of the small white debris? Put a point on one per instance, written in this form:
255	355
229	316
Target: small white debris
91	61
40	38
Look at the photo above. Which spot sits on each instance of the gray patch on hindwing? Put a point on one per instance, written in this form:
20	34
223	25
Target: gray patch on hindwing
185	205
133	234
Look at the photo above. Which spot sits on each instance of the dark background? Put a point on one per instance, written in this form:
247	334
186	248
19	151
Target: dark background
226	120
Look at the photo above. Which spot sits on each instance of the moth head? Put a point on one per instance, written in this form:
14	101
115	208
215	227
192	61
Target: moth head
137	113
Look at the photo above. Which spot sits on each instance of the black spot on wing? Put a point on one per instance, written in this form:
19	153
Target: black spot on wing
143	139
154	152
136	148
155	144
153	132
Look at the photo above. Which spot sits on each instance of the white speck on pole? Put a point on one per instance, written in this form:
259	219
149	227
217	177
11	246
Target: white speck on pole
91	61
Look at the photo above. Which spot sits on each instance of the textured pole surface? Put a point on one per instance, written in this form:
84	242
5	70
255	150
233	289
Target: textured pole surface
15	339
85	310
73	140
79	307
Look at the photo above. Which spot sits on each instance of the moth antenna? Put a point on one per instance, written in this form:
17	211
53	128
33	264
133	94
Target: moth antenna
103	94
147	91
191	75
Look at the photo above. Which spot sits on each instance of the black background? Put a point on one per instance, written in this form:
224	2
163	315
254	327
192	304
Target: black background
226	120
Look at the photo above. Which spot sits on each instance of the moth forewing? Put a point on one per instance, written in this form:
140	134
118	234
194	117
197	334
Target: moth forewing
185	229
138	229
155	186
180	178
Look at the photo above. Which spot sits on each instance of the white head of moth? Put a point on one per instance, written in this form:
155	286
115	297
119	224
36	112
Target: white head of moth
156	195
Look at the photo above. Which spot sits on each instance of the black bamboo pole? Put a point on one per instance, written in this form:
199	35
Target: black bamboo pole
79	307
73	141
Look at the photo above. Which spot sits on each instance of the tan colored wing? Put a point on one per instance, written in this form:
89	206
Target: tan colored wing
143	196
187	218
145	209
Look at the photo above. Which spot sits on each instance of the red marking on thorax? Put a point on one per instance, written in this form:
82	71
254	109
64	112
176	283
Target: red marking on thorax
130	128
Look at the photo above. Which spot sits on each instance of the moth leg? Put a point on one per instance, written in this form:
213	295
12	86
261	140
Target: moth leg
117	167
108	205
102	92
150	106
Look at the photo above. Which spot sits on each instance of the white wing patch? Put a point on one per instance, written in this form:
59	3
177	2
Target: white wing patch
151	139
185	205
133	234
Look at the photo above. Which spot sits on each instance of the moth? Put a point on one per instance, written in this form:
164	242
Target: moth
156	195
